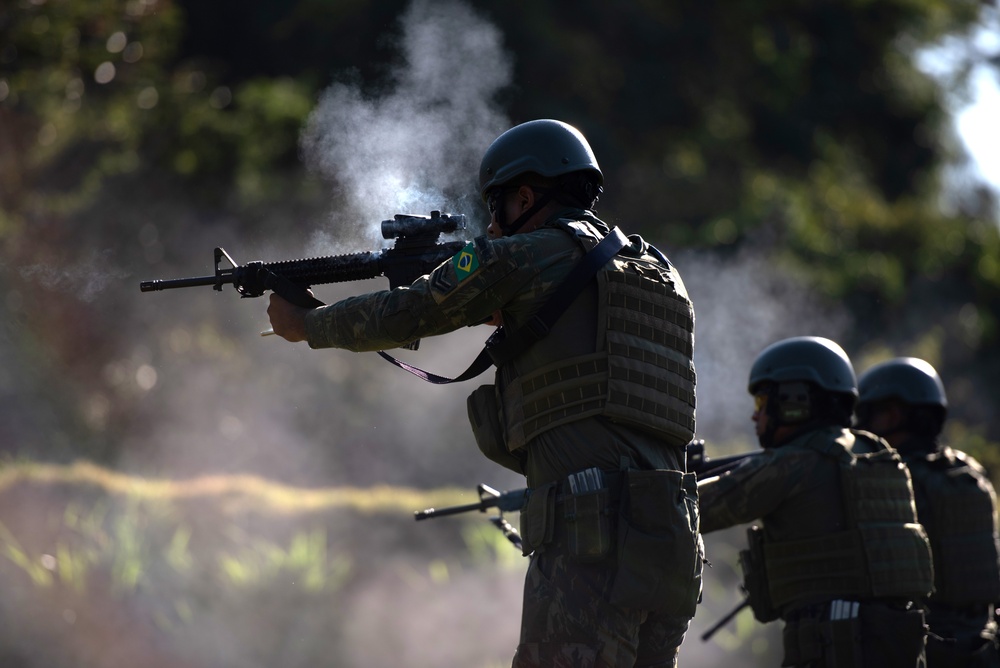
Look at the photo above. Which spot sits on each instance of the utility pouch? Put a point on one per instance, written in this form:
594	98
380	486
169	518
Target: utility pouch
840	636
986	656
586	512
892	638
801	642
755	577
538	518
660	552
828	637
484	416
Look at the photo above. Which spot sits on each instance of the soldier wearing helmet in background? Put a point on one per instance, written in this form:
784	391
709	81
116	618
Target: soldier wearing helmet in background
903	401
838	555
593	402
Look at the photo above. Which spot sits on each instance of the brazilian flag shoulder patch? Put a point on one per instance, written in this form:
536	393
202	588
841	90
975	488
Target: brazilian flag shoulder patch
466	262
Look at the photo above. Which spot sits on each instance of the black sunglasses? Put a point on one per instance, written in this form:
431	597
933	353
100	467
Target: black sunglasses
493	199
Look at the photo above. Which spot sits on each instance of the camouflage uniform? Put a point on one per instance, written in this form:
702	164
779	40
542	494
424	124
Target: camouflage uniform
567	619
957	505
797	491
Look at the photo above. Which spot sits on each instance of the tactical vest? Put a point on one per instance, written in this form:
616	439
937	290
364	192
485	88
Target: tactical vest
883	553
962	526
642	371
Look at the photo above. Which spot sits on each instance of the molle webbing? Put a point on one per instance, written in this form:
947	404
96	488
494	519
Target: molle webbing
824	567
880	503
963	536
629	295
642	374
650	342
883	554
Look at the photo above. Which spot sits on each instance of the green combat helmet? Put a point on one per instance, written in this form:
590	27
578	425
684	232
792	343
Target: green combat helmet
909	379
545	147
810	359
808	380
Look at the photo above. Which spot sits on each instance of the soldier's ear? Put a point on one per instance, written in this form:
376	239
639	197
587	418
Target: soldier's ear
526	197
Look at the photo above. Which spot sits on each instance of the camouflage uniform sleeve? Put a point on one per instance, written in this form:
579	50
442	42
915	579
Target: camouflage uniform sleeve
746	493
462	291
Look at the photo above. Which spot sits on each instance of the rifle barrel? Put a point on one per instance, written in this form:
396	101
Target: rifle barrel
450	510
169	283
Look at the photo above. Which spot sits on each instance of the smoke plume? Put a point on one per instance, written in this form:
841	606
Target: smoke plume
414	146
743	304
85	279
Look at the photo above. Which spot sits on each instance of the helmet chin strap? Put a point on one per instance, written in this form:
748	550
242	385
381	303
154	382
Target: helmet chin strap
515	227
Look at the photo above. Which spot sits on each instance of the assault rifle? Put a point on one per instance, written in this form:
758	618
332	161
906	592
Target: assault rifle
415	252
705	466
728	617
510	501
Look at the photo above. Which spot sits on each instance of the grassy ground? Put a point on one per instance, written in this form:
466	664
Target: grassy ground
104	569
100	569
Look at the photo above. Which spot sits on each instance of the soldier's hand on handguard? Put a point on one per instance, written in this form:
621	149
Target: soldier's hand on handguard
287	320
495	320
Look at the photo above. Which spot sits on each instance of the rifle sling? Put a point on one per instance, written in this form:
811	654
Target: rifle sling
502	347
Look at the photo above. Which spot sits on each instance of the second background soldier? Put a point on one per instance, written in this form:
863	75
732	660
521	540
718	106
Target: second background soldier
903	400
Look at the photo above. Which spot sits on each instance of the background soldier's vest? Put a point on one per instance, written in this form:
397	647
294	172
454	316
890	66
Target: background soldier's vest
962	526
883	553
641	373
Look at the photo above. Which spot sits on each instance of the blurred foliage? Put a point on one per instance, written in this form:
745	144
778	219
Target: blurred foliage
805	129
135	135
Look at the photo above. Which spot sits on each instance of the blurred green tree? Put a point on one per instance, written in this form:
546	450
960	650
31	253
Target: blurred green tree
805	130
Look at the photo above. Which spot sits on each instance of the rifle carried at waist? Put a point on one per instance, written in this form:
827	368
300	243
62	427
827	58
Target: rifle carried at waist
513	500
415	252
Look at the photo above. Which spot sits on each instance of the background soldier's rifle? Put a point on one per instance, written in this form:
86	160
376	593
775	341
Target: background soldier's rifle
511	501
714	628
706	467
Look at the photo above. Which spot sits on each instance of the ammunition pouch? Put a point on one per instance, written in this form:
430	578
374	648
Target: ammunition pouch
649	517
538	518
588	524
755	581
849	634
583	522
484	416
660	552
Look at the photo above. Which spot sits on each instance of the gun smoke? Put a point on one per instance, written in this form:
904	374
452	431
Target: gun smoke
743	304
416	145
86	278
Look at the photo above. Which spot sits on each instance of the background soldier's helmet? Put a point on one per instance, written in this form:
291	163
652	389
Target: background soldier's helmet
545	147
909	379
810	359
